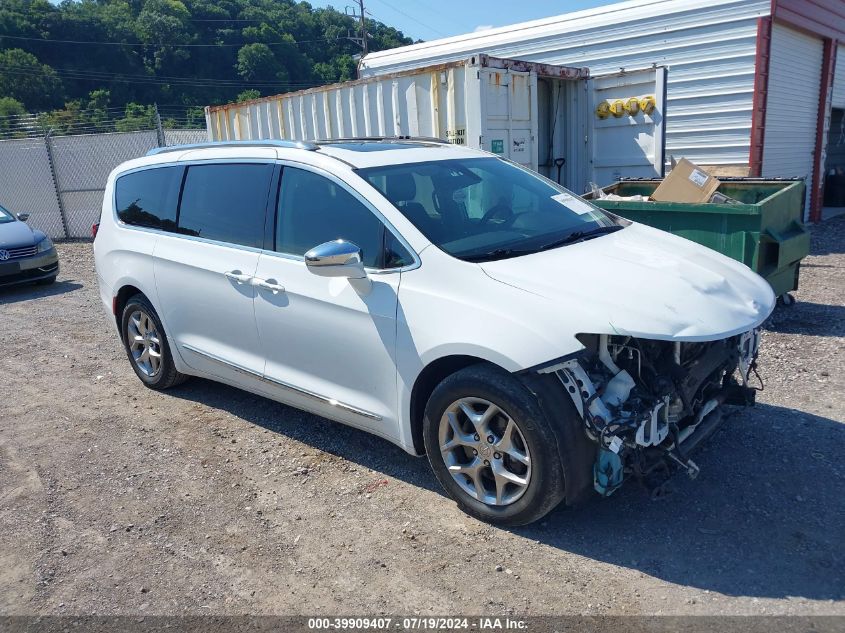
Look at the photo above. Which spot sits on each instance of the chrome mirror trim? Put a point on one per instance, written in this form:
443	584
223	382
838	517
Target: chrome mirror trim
337	258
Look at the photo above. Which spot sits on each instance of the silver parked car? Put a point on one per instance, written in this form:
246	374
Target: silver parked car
26	254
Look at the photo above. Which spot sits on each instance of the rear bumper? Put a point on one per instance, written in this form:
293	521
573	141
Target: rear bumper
29	269
107	298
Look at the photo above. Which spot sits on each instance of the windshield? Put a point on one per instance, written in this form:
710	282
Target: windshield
5	216
482	209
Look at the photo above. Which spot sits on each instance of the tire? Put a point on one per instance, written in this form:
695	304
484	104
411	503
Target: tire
47	281
543	475
158	370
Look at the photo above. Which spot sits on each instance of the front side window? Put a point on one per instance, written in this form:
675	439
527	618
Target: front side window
226	202
482	209
149	197
313	210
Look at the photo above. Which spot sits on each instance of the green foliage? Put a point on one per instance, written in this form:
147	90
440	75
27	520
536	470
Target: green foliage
10	107
137	117
193	119
11	111
22	77
248	95
177	52
257	60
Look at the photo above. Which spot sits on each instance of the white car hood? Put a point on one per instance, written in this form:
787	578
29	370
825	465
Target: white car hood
642	282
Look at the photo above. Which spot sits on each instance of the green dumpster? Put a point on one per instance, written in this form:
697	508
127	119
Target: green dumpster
764	231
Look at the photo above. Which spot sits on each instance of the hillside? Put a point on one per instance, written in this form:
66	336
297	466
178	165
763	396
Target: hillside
102	58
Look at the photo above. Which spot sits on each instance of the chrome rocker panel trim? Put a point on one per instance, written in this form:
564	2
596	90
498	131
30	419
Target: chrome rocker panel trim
305	392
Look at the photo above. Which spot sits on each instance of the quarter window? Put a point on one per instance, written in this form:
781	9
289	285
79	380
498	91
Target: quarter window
149	197
226	202
314	210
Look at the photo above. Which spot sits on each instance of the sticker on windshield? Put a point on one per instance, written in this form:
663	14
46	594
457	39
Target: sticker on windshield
572	203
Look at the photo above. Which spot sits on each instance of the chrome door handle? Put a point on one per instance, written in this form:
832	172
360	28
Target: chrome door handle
237	276
268	284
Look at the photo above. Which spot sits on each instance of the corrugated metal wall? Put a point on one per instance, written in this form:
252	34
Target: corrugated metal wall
793	104
430	103
838	97
709	46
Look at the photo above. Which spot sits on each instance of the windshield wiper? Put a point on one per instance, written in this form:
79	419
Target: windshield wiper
572	238
580	236
499	253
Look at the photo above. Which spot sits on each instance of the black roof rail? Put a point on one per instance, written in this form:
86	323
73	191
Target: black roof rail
219	144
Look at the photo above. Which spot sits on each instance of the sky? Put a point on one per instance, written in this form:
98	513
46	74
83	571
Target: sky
433	19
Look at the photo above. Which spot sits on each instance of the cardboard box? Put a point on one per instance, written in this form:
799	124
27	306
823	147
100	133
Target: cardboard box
686	183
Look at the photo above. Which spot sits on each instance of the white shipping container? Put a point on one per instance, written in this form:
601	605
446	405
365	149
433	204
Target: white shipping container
539	115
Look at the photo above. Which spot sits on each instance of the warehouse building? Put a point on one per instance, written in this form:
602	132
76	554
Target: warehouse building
752	87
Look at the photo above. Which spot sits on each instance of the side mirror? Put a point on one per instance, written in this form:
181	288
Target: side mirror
337	258
23	217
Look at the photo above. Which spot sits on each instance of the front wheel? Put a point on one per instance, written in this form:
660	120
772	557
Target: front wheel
492	448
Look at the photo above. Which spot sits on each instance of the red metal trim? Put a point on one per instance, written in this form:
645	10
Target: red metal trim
761	92
822	127
822	18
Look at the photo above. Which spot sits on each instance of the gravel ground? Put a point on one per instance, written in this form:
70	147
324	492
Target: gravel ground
206	500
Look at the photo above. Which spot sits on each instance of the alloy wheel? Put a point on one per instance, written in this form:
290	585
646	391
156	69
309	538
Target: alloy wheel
144	343
484	451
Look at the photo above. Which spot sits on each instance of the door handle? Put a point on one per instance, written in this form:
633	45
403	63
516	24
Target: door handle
268	284
237	276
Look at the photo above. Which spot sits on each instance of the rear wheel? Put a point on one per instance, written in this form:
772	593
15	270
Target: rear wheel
146	345
492	448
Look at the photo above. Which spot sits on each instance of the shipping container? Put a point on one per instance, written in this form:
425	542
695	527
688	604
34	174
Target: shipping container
752	84
557	120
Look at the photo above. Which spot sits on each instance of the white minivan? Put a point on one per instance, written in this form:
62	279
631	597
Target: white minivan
534	347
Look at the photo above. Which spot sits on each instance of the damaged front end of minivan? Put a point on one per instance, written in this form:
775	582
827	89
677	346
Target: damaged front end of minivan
647	404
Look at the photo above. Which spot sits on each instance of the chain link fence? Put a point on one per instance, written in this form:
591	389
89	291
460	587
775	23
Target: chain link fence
59	180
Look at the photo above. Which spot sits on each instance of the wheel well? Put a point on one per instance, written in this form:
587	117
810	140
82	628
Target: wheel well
123	295
431	376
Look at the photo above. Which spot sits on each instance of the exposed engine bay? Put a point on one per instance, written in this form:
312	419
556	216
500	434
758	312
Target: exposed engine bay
647	404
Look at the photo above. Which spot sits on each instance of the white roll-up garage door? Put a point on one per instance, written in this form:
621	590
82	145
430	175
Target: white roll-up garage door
838	98
792	106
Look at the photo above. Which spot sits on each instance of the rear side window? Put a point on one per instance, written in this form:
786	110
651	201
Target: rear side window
149	197
226	203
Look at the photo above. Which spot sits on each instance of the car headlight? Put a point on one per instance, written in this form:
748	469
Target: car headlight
45	245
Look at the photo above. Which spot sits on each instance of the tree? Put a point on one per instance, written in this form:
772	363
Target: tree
145	51
137	117
164	23
25	79
10	108
11	113
248	95
257	60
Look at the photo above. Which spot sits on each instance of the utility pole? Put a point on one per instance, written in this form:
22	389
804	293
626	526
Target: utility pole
360	41
363	26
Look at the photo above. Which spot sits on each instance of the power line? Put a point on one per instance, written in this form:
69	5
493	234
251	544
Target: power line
227	20
410	17
71	73
96	43
178	82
